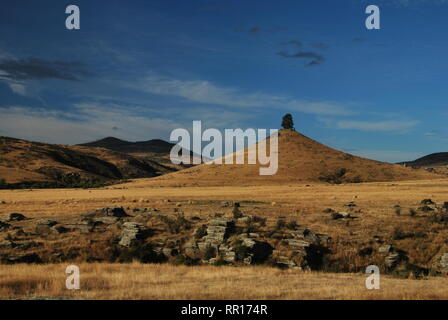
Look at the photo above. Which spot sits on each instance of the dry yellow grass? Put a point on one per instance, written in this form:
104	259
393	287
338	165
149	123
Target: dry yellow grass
301	202
139	281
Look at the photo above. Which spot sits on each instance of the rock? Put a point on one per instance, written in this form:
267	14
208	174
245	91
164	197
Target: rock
247	242
218	230
227	254
118	212
86	226
442	263
46	222
350	204
4	226
170	252
43	226
25	245
58	229
191	250
365	252
427	202
385	248
247	260
285	263
392	260
13	217
298	244
244	220
340	215
131	234
254	235
24	258
221	222
7	244
428	208
106	220
226	204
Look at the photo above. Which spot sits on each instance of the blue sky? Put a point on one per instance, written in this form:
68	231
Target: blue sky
136	70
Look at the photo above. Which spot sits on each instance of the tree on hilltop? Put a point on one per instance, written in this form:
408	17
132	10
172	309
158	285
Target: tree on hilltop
287	122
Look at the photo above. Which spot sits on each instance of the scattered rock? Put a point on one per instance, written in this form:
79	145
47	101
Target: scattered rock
24	258
43	226
392	260
131	234
340	215
442	263
117	212
350	204
13	217
7	244
106	220
385	248
46	222
58	229
427	202
4	226
365	252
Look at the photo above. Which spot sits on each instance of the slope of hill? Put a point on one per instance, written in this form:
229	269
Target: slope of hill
150	146
32	162
431	160
300	159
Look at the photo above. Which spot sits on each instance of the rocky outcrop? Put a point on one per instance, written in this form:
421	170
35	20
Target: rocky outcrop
13	217
117	212
131	234
43	226
441	263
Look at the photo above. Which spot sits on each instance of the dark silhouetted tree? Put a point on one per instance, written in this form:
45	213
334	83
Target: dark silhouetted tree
287	122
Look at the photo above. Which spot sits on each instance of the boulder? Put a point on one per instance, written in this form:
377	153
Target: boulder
58	229
43	226
393	260
106	220
13	217
24	258
4	226
131	234
442	263
117	212
350	204
7	244
385	248
298	244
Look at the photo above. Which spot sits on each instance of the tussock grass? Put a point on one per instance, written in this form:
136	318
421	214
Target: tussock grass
142	281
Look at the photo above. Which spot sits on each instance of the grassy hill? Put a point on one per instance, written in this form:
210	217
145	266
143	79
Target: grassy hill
300	159
24	163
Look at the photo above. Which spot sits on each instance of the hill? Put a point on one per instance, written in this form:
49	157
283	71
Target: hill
300	159
115	144
431	160
39	164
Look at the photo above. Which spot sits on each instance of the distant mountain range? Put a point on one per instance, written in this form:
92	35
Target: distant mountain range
431	160
115	144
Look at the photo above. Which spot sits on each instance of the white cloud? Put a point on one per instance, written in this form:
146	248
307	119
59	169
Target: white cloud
85	123
408	3
18	88
205	92
391	156
375	126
